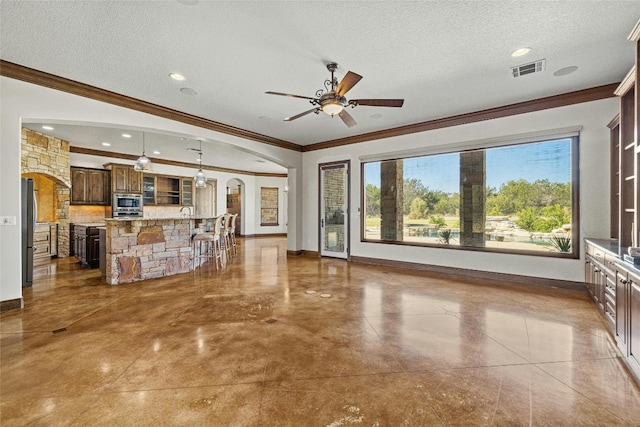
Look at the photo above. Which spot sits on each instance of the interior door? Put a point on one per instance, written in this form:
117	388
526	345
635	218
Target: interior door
334	209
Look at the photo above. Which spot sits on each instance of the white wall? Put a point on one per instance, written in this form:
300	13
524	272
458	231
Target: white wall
594	188
19	100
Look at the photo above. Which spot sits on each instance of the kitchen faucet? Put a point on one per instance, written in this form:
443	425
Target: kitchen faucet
188	208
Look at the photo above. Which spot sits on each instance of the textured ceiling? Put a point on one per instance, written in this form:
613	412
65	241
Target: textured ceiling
443	57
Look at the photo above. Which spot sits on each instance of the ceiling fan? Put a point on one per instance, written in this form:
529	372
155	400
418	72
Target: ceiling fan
332	101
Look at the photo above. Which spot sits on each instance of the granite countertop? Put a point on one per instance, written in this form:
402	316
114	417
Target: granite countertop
89	224
609	245
172	218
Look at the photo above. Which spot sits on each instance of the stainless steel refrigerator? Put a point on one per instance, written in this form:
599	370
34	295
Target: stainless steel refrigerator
29	214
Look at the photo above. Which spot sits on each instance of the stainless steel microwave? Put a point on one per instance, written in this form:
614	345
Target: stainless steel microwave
127	205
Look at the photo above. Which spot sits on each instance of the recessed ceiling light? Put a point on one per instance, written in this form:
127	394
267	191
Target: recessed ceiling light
520	52
259	161
189	91
198	160
566	70
156	152
106	144
178	77
126	135
376	116
47	127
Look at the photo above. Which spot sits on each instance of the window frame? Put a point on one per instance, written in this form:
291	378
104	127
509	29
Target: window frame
546	136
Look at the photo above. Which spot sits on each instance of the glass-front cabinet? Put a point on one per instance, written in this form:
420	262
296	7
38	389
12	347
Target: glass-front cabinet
167	190
187	191
149	190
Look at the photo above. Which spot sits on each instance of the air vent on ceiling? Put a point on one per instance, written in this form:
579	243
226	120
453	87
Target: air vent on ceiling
530	68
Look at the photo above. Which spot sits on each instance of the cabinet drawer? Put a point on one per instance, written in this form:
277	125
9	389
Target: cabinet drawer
598	255
610	262
41	249
41	237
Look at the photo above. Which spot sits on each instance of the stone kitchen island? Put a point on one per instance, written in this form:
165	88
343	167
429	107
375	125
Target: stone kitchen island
141	249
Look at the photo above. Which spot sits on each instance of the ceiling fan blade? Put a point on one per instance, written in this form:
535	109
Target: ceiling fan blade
347	82
297	116
347	118
378	102
289	95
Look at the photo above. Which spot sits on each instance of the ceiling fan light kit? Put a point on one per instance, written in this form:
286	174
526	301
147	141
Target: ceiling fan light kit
331	100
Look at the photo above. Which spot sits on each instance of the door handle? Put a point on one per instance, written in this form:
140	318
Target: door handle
322	223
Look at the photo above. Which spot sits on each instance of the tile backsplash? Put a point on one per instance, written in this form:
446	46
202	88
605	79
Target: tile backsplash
86	213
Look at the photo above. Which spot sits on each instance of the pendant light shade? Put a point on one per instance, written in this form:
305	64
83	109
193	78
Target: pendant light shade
143	163
200	178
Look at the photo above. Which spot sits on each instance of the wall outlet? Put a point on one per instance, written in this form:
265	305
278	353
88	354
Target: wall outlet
7	220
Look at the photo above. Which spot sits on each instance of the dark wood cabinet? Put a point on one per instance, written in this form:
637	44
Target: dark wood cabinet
167	190
90	186
622	310
625	156
614	285
634	322
87	245
124	179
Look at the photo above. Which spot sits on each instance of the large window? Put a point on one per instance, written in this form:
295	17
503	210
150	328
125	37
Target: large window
519	198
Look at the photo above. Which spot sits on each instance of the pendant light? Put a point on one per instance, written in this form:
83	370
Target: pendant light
143	163
200	178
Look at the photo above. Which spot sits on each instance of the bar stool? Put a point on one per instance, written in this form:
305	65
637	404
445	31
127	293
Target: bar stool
225	240
207	245
232	234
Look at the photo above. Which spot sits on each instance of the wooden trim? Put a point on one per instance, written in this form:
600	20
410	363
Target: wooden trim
614	122
102	153
311	254
11	304
41	78
257	236
477	274
294	253
635	33
562	100
627	83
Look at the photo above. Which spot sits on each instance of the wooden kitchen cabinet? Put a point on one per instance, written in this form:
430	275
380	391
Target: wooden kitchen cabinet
45	242
633	335
186	191
90	186
87	245
124	179
625	156
614	286
167	190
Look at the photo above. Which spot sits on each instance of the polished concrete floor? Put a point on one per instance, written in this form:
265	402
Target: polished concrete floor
252	346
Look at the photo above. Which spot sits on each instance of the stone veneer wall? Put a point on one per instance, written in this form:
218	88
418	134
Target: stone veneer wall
391	194
146	249
473	174
47	155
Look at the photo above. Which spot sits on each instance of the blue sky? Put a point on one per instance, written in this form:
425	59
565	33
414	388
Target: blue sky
550	160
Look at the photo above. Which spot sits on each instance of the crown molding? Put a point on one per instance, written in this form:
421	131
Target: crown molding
577	97
41	78
103	153
30	75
